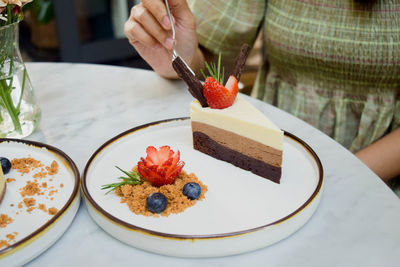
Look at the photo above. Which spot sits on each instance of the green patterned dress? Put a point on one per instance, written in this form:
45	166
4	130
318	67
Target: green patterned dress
334	64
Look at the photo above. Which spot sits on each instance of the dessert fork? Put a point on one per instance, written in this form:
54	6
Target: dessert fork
174	53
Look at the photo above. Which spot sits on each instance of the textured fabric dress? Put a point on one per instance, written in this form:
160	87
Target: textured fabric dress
334	64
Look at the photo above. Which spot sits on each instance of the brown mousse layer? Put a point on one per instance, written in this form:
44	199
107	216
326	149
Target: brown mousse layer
241	144
205	144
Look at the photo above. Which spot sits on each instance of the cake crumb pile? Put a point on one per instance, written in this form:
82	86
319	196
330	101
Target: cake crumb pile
25	165
29	202
53	169
135	195
5	220
53	211
30	189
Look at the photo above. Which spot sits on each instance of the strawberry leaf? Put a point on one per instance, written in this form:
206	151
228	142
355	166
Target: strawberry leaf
215	71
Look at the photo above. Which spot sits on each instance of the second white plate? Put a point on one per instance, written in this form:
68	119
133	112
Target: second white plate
34	229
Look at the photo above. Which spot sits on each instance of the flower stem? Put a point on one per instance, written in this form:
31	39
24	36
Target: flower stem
22	91
7	81
9	15
5	95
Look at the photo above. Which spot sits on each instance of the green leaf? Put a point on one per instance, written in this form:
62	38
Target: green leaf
132	179
215	71
43	9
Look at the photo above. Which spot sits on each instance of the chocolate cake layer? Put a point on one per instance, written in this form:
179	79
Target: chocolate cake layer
241	144
205	144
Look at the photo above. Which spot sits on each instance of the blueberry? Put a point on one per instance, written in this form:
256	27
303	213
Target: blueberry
192	190
5	165
156	202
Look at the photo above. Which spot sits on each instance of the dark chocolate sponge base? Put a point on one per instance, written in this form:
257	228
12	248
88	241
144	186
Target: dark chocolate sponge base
205	144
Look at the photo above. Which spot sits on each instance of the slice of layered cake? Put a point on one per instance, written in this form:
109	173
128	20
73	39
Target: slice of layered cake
228	127
2	184
239	134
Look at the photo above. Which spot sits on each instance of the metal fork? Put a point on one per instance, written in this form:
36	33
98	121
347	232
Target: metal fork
174	53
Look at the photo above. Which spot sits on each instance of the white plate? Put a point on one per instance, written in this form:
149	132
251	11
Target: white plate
37	230
241	211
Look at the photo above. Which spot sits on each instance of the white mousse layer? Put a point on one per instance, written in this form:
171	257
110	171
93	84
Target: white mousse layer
241	118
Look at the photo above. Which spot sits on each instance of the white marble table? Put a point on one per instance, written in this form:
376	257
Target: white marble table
356	224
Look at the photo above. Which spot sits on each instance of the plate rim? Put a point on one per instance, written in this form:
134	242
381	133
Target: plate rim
129	226
75	192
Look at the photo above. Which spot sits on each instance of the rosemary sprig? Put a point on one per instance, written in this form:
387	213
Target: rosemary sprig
133	179
215	70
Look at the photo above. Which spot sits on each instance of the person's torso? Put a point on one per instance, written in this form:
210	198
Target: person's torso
335	55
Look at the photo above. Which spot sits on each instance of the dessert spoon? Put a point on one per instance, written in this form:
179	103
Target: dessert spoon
174	53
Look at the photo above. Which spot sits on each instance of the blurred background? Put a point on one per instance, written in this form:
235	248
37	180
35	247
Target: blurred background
90	31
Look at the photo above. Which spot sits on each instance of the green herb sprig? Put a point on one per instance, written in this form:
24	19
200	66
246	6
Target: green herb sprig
215	70
132	179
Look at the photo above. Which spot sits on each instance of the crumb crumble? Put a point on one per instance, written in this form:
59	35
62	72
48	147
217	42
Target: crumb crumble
29	202
53	169
135	195
53	211
5	220
30	189
24	165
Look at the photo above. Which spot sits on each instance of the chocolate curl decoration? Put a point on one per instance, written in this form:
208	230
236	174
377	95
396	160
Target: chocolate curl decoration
240	60
195	86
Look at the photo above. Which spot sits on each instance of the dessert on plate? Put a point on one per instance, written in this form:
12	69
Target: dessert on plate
227	127
157	185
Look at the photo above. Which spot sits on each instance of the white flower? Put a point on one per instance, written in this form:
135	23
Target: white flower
3	3
15	2
3	18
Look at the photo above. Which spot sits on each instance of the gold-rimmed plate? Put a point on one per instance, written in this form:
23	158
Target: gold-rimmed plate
39	205
241	211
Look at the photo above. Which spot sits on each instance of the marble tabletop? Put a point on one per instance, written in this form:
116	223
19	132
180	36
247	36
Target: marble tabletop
84	105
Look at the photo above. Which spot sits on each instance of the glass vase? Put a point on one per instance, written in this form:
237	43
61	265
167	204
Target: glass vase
19	110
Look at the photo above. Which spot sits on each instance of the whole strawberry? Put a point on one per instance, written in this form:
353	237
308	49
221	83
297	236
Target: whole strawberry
219	96
160	167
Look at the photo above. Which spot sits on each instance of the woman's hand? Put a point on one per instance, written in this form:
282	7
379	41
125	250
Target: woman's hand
149	31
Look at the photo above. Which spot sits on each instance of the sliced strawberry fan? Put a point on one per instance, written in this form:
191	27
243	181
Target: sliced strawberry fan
160	167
